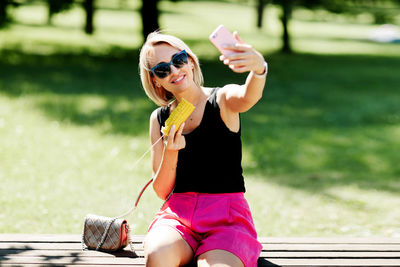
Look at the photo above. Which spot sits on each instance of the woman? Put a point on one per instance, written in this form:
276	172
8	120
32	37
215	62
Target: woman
198	167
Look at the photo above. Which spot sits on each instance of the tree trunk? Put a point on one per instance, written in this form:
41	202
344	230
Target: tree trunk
260	13
286	13
3	12
89	9
149	13
50	12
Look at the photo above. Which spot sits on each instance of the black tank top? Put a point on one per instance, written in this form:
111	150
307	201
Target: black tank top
211	159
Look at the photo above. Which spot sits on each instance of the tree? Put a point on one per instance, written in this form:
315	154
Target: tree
287	6
4	16
382	10
150	15
56	6
3	12
260	12
88	5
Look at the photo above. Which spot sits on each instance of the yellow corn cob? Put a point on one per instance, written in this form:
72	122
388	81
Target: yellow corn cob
178	116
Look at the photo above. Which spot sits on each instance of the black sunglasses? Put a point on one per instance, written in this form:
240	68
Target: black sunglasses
163	69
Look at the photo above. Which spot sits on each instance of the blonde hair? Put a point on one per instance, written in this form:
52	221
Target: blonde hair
160	96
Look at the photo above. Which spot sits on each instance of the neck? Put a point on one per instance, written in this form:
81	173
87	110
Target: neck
194	95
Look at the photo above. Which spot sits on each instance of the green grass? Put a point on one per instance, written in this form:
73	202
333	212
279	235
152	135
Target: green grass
320	151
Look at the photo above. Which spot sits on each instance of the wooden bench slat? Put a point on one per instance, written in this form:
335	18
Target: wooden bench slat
266	240
39	238
68	253
140	261
271	255
45	250
329	240
330	247
51	238
75	265
330	254
329	262
72	260
50	246
266	247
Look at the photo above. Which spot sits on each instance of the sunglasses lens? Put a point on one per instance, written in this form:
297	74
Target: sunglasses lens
180	59
162	70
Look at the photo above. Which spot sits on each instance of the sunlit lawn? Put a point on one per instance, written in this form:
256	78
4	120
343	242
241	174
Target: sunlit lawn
320	150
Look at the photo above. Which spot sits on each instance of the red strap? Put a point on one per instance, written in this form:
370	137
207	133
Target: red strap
141	192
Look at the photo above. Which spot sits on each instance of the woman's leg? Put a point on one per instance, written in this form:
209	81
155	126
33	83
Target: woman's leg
164	246
218	258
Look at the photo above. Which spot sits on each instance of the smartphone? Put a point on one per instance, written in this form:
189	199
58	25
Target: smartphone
222	36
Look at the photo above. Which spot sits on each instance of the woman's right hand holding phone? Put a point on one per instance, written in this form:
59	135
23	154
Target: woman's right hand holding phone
244	57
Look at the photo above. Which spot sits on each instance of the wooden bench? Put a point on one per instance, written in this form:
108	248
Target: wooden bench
62	250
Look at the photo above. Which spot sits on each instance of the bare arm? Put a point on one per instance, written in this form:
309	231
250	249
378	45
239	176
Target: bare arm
240	98
164	157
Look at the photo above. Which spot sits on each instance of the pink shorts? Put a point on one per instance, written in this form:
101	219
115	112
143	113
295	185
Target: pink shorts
212	221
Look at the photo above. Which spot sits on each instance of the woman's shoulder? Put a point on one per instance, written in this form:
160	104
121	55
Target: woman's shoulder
225	92
208	90
160	114
211	91
227	88
154	115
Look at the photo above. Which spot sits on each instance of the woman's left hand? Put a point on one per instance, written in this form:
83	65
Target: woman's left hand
243	57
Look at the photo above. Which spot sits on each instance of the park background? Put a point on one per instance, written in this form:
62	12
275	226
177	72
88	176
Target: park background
320	150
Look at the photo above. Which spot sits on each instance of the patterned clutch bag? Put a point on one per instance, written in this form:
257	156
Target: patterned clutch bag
104	233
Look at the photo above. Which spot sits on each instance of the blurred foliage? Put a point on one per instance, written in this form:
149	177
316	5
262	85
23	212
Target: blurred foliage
4	16
384	11
56	6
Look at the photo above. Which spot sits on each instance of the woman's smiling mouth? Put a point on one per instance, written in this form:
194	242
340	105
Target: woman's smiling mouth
178	79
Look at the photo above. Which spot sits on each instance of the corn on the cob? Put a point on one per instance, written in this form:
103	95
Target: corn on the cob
178	116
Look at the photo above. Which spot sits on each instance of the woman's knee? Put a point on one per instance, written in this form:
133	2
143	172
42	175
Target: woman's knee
165	247
158	252
161	256
218	258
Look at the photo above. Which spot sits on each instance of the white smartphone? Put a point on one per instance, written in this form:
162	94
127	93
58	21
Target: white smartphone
222	36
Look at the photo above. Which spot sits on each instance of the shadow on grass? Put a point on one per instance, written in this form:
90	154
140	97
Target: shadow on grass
327	121
323	120
81	89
